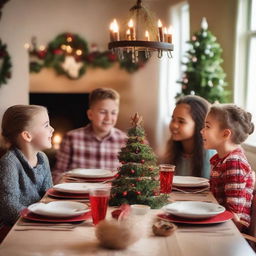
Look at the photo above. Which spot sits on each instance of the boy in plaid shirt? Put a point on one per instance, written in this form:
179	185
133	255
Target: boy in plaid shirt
97	144
232	179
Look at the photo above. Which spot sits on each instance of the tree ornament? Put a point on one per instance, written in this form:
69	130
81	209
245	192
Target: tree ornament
193	38
142	161
204	24
125	193
204	34
132	171
138	192
194	59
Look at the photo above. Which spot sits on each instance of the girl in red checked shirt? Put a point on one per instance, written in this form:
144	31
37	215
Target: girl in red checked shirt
232	179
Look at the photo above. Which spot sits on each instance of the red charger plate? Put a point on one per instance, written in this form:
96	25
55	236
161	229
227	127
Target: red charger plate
27	214
54	193
222	217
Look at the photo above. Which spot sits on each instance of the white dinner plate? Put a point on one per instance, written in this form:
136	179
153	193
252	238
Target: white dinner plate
189	181
59	209
193	210
76	188
91	173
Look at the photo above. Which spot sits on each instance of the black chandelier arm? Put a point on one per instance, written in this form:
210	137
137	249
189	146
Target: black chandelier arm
141	45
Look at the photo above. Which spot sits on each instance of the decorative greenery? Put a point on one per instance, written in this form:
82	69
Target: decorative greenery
5	64
137	182
204	75
69	55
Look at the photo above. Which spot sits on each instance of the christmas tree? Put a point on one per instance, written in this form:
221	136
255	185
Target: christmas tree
204	75
137	182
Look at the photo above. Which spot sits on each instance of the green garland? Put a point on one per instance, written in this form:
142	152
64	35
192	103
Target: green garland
68	54
5	64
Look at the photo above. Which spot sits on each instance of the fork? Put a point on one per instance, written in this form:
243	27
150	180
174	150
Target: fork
43	229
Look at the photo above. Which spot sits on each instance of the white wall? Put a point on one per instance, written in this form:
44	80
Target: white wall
23	19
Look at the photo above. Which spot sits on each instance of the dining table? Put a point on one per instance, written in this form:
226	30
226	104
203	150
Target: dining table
187	240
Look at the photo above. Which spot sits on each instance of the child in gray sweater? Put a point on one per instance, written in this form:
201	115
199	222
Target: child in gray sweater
25	173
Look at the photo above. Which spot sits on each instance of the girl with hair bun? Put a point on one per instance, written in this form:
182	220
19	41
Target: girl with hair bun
232	179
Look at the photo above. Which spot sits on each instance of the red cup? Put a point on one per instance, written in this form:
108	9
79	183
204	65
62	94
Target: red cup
166	177
99	198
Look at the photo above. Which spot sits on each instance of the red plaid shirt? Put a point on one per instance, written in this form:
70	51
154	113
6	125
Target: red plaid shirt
81	149
232	183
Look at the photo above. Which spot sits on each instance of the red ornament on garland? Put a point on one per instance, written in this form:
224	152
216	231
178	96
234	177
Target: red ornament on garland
125	193
142	161
132	171
138	192
58	51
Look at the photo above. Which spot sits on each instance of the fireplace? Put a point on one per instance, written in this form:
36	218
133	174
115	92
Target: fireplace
67	111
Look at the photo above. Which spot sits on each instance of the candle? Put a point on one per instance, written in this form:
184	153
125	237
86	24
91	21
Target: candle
169	35
114	31
131	28
111	33
165	34
160	30
147	35
128	34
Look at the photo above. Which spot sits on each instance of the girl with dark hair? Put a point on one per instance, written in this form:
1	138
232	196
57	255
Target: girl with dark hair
232	179
185	146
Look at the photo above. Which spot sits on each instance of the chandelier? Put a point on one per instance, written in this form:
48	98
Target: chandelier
141	34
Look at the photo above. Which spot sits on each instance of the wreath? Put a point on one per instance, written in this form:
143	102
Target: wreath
5	64
68	54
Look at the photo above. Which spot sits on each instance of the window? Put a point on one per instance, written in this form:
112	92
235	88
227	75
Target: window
171	69
245	89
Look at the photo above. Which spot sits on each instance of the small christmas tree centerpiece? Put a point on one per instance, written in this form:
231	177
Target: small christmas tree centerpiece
203	74
137	182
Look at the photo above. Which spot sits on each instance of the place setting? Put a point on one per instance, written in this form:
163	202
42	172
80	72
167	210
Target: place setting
71	190
57	212
90	175
195	212
190	184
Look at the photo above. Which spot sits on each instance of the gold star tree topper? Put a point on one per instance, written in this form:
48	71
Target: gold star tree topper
136	120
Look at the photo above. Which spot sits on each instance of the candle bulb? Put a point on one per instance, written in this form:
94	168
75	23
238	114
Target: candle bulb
165	34
147	35
115	30
131	28
128	34
160	30
111	32
169	35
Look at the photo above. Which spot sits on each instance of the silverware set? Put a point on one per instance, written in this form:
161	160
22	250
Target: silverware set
27	226
212	232
199	191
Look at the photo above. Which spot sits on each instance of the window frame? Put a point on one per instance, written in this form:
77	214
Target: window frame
244	37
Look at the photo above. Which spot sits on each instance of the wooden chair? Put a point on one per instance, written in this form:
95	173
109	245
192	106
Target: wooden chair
251	236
